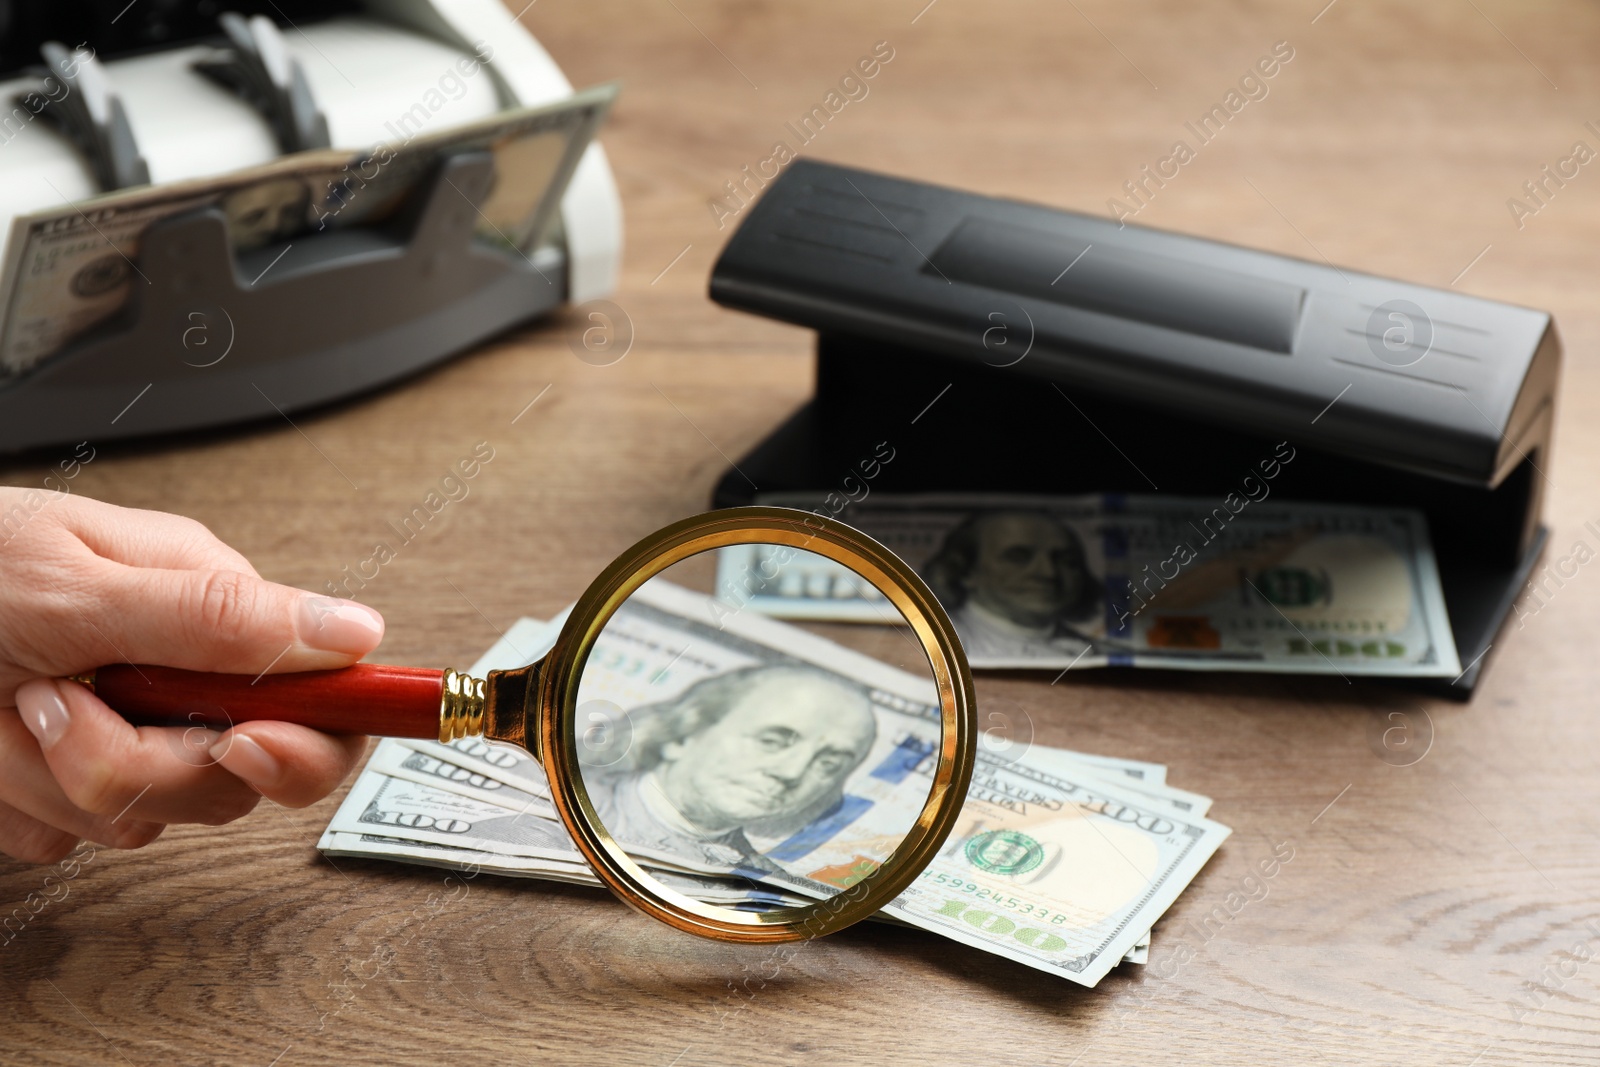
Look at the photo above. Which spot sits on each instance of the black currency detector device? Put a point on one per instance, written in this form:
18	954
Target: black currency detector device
1009	347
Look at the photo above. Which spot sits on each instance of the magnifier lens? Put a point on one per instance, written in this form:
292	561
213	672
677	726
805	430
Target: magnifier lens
751	763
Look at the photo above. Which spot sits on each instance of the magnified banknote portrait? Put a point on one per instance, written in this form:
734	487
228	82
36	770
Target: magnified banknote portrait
768	748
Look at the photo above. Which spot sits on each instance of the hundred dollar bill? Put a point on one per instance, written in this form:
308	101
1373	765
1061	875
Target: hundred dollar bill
1069	764
1139	772
508	764
671	644
72	268
509	782
1179	799
370	846
393	807
393	758
450	770
429	854
1096	863
1139	580
416	814
1065	875
502	772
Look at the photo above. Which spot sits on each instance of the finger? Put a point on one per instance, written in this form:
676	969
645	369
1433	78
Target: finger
289	765
27	785
221	620
25	838
141	538
106	766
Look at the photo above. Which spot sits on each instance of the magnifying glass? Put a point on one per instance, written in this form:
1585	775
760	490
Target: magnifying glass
687	740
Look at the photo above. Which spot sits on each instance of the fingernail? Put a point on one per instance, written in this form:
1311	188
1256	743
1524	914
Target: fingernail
242	756
336	625
43	711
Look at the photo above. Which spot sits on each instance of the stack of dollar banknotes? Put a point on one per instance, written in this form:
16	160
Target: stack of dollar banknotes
1061	860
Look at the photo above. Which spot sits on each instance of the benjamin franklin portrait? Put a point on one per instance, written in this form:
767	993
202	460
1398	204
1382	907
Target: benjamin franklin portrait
1016	584
265	212
762	749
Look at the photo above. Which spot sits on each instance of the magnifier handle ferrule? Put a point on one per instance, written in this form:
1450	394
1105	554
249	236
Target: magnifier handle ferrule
368	698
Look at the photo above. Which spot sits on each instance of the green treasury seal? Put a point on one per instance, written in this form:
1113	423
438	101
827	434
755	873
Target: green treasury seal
1004	852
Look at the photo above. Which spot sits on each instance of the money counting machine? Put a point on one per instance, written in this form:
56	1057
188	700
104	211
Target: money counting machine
1002	346
174	96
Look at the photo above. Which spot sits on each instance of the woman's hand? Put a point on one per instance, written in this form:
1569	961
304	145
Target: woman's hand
83	584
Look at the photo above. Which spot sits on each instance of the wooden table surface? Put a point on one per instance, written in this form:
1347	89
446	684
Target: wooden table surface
1445	912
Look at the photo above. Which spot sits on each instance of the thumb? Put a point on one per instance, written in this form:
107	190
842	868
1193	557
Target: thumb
222	620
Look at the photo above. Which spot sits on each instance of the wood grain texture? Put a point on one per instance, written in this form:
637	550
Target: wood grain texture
1446	912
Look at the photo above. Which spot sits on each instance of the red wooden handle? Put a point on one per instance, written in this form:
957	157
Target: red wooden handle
368	698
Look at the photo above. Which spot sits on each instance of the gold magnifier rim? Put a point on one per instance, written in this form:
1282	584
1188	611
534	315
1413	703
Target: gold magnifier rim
556	711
